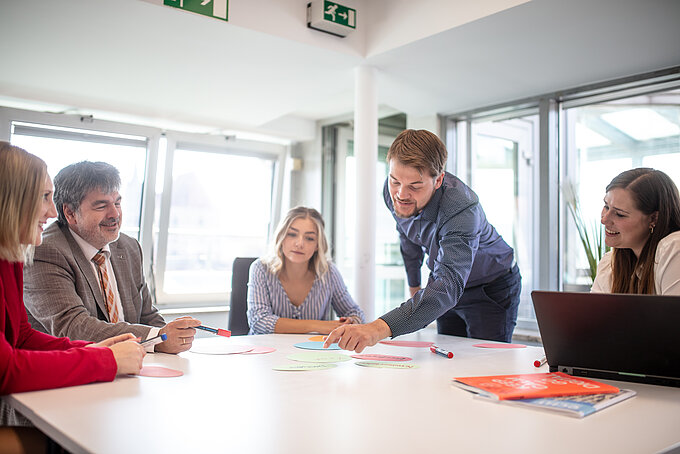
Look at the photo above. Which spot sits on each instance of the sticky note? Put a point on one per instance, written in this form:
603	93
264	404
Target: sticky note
375	357
318	357
304	366
386	365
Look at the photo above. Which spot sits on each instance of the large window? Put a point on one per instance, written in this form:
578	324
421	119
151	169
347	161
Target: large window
602	139
525	160
502	167
194	201
60	146
220	208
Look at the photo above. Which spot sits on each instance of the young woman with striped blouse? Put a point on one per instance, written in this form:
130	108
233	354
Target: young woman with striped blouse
293	289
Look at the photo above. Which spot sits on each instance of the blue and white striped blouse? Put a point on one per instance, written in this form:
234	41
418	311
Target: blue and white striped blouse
267	300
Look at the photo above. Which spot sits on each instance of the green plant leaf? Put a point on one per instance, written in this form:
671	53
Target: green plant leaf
591	235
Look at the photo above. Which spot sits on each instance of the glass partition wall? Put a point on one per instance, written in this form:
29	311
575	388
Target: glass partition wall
499	164
339	184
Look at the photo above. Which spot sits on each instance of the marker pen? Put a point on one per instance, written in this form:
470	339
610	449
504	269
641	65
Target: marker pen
441	351
219	332
154	340
540	362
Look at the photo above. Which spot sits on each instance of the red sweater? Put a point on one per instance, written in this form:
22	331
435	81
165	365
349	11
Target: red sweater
31	360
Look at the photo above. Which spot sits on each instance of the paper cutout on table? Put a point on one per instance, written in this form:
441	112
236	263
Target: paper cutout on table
219	346
318	338
386	365
499	345
316	346
408	343
305	366
158	371
318	357
257	350
375	357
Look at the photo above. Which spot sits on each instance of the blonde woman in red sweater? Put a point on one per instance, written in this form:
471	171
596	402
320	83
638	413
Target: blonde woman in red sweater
31	360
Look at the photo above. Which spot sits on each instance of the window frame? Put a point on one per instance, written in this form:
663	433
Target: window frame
88	122
217	143
551	210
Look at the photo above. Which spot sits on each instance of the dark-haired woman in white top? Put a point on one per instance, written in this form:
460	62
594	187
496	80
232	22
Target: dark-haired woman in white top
641	216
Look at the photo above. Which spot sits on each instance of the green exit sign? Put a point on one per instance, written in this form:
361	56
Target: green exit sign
211	8
331	17
342	15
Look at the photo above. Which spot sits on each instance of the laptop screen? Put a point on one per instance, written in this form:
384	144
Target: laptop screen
622	337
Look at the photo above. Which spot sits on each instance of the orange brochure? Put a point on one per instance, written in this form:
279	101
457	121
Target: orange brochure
529	386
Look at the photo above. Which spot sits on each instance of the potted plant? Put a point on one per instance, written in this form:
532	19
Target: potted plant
591	234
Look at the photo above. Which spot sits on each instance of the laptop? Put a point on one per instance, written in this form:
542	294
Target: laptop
612	336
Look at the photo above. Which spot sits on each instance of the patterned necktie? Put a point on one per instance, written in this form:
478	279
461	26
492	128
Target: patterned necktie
100	260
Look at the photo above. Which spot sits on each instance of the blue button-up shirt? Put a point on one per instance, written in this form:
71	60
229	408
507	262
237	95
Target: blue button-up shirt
463	248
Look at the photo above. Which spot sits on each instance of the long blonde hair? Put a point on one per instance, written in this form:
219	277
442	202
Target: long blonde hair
318	264
22	180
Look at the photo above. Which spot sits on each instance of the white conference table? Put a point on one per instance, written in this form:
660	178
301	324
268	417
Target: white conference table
239	404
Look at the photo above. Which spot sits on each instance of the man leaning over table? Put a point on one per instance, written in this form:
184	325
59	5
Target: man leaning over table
474	283
87	281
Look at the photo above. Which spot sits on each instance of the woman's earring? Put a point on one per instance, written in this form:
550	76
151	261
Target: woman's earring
651	229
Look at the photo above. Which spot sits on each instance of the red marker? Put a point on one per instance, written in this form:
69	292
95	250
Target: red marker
218	331
441	351
540	362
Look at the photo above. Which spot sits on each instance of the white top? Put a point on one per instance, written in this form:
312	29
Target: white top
666	268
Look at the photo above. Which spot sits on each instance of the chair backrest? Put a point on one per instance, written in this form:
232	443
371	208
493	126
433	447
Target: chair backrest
238	319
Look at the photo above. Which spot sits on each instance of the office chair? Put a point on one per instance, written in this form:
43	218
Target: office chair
238	320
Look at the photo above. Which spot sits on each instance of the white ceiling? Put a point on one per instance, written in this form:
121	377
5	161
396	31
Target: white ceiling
133	60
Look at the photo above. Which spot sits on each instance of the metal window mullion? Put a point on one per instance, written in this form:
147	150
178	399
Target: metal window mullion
148	205
164	218
277	182
548	240
5	124
617	93
235	150
36	131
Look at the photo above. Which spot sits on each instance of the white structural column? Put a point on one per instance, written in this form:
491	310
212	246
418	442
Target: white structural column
366	156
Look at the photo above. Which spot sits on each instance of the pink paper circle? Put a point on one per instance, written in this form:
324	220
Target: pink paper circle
420	344
260	350
375	357
158	371
499	345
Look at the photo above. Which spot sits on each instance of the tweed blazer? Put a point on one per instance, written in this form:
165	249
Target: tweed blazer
63	297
